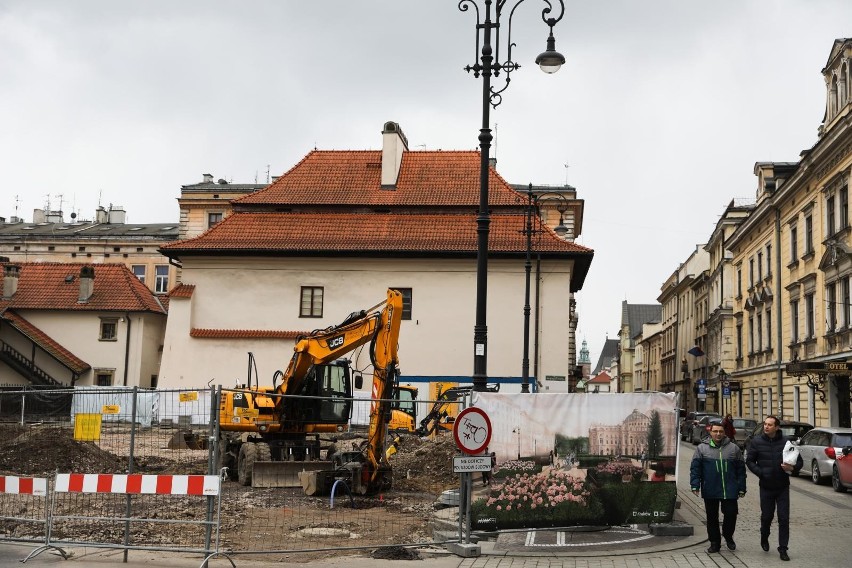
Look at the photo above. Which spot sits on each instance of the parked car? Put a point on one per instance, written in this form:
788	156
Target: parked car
701	429
792	429
841	473
818	449
743	427
690	421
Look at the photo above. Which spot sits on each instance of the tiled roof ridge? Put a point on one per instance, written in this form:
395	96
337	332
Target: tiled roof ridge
210	333
139	290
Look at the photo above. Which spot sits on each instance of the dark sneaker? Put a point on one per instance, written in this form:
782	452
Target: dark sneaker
764	544
729	542
783	553
713	548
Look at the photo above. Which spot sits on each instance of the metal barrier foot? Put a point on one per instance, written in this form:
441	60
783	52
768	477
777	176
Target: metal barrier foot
214	555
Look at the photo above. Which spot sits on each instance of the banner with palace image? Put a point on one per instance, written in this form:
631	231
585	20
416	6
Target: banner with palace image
577	459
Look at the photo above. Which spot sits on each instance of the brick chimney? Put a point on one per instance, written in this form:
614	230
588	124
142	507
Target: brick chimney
394	143
11	273
87	284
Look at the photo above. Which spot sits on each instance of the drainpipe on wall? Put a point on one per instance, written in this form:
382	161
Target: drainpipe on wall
778	334
127	348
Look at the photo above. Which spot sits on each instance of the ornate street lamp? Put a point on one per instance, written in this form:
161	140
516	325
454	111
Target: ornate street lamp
533	201
490	64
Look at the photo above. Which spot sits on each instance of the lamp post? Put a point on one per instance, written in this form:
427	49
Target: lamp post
533	200
723	379
490	64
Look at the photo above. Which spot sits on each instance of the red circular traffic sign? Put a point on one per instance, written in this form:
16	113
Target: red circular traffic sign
472	430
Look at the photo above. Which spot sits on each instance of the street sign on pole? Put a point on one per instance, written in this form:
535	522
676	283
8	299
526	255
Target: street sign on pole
468	464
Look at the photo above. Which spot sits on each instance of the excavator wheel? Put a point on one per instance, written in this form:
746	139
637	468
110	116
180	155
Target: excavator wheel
264	452
245	463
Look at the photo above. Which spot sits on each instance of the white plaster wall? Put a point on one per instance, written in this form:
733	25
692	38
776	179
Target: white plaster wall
263	294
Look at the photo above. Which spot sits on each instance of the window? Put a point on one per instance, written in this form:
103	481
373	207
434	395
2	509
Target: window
794	320
759	332
759	266
51	248
794	244
768	261
739	341
116	249
161	284
831	307
406	302
809	316
139	249
109	329
768	329
809	235
751	273
844	290
739	281
751	334
829	215
311	306
213	219
81	249
844	207
103	377
139	272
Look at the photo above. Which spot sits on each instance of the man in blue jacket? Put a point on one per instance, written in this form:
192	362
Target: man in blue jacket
765	460
717	472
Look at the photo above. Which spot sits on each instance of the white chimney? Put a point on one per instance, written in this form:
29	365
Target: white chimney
87	284
394	143
101	215
10	280
117	215
207	178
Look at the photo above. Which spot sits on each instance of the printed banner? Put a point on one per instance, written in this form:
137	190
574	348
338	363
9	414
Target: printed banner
577	459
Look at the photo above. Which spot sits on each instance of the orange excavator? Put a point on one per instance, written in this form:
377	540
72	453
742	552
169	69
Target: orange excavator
271	436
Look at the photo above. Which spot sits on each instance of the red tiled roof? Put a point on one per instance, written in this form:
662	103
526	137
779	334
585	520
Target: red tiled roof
602	378
44	341
353	177
182	291
56	286
244	334
248	232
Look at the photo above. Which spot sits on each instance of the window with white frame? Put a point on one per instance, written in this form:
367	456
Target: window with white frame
214	219
161	284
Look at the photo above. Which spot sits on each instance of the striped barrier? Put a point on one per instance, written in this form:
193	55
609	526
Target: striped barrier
138	484
106	510
23	508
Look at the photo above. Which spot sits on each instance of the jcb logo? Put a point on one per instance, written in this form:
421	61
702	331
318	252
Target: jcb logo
335	342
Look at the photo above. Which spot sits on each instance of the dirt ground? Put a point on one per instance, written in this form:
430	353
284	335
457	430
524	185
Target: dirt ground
251	518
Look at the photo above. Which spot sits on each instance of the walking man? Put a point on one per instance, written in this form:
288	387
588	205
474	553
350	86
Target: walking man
717	472
765	461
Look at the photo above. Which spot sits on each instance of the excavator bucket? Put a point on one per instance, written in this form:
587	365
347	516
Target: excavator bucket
284	473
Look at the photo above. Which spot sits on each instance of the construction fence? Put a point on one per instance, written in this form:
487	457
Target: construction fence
134	463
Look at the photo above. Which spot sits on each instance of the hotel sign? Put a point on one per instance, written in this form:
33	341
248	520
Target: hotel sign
826	368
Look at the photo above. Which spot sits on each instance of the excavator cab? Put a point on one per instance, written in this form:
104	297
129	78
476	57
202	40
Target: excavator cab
327	389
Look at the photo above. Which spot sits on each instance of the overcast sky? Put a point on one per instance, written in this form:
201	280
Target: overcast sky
660	112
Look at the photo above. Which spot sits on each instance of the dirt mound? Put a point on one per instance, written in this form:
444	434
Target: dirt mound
425	464
44	450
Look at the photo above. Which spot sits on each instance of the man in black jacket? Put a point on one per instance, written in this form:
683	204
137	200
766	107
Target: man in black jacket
765	460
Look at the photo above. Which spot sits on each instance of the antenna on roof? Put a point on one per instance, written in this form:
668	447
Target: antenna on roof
267	172
566	172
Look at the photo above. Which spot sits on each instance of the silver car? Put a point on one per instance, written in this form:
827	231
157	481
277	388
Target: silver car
818	449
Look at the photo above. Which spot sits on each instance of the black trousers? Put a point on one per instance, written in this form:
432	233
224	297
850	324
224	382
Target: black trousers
770	499
729	523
